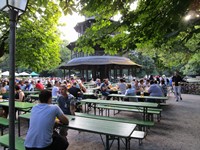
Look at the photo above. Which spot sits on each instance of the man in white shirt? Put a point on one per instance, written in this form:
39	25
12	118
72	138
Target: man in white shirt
55	89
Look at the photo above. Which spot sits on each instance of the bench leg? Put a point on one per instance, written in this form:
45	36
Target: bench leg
1	130
140	142
158	117
118	143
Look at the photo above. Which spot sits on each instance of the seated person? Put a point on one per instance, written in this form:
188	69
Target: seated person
141	85
136	86
98	82
130	91
66	101
39	85
105	91
81	86
67	104
48	85
75	91
4	91
121	86
19	96
164	87
155	90
28	86
40	134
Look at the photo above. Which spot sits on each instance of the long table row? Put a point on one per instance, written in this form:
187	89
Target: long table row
97	126
103	127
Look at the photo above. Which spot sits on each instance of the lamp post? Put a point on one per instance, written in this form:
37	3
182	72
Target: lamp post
14	8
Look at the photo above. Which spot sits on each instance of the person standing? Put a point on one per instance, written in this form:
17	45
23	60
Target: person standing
176	79
40	135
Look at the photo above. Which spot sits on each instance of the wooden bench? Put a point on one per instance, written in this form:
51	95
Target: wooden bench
150	111
4	123
19	142
140	135
140	123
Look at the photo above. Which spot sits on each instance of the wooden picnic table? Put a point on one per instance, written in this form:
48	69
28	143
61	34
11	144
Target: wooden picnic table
144	105
19	105
31	92
138	96
98	126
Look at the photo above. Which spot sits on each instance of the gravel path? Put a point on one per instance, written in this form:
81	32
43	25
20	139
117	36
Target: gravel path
179	129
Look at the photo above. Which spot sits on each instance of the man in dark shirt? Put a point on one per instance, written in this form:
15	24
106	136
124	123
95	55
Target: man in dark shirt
76	92
176	79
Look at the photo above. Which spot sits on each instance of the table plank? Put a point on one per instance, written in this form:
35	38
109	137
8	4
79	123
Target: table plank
136	104
102	126
138	96
98	126
19	105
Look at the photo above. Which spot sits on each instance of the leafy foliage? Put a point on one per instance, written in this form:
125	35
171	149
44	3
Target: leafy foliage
38	41
156	28
41	50
148	64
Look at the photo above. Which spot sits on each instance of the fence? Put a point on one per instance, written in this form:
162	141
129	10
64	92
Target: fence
190	88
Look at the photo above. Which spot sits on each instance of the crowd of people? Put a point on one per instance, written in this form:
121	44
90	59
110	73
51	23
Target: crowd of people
41	133
153	86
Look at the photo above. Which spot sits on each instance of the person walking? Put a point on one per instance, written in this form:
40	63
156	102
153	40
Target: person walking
176	79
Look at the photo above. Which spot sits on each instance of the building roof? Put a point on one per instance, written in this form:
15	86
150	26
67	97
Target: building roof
99	60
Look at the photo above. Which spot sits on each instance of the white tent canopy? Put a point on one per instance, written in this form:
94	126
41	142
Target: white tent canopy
6	73
24	74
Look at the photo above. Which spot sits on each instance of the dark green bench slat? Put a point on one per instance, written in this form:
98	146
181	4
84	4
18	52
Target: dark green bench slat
19	142
132	109
4	121
125	120
153	112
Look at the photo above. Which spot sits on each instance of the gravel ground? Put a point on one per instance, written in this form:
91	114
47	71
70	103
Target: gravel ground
179	129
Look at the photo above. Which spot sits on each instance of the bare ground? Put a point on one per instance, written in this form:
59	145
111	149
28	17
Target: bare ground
179	129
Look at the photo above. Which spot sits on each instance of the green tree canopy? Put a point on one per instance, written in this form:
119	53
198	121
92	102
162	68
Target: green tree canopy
38	40
155	27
